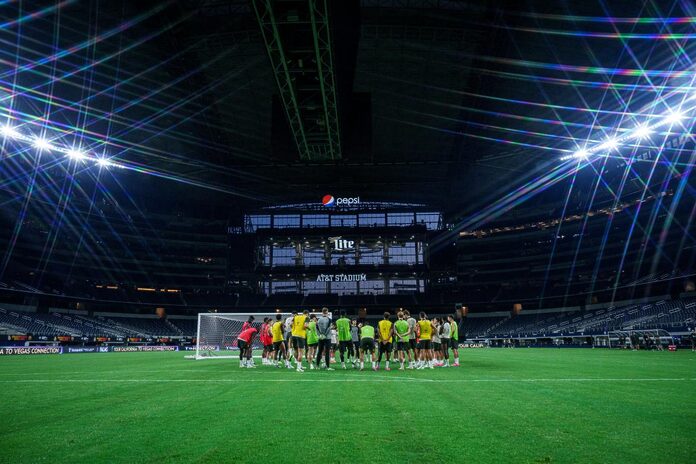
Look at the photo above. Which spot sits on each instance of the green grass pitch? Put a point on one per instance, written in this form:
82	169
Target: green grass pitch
501	405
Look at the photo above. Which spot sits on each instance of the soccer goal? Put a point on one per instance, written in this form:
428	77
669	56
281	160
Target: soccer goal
216	337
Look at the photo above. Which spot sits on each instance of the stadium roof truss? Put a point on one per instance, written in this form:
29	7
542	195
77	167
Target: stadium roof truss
297	36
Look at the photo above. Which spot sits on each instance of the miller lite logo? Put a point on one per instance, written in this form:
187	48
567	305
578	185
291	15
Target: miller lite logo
341	244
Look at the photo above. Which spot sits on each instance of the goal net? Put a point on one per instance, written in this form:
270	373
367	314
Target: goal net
216	337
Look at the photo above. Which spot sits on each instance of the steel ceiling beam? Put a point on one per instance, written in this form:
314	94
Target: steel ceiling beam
300	49
318	11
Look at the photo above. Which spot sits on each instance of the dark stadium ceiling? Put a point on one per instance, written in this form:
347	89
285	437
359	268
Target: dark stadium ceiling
447	103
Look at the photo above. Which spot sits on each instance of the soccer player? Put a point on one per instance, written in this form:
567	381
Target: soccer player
413	347
402	334
445	334
425	330
367	345
312	341
279	343
248	323
344	339
435	341
454	339
355	338
324	332
334	342
384	329
299	337
287	328
266	341
244	343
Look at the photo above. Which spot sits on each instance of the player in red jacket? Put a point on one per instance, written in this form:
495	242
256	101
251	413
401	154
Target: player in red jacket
244	341
266	341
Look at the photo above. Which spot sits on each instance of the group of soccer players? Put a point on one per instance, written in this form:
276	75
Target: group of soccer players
318	340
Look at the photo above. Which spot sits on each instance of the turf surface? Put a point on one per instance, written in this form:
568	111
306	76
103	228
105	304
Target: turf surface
501	405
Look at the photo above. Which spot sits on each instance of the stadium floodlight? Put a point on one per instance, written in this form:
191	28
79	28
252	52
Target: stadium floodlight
9	132
42	144
609	145
76	154
641	132
581	154
674	117
103	162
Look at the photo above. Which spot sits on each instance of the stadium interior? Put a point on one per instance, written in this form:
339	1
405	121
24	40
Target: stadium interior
524	166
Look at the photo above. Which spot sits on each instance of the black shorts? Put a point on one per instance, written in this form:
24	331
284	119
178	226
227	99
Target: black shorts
401	346
277	345
385	347
242	344
453	344
424	345
436	346
312	345
334	346
412	344
356	346
367	344
298	342
344	345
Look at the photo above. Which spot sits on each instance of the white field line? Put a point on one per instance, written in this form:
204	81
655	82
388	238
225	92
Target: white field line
366	378
125	369
271	372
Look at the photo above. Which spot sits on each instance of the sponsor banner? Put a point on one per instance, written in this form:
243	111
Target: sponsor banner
28	350
81	349
341	277
86	349
202	348
121	349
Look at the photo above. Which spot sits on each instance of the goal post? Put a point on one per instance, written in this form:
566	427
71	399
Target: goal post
216	335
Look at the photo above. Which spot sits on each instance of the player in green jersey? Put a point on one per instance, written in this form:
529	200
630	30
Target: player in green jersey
454	339
312	340
344	339
367	344
402	332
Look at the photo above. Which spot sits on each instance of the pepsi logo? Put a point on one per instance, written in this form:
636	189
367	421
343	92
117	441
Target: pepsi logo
328	200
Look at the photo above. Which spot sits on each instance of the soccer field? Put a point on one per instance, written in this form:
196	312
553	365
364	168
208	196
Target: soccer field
501	405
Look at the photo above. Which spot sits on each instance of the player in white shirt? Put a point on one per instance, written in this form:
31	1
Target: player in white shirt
437	350
445	334
412	345
287	328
